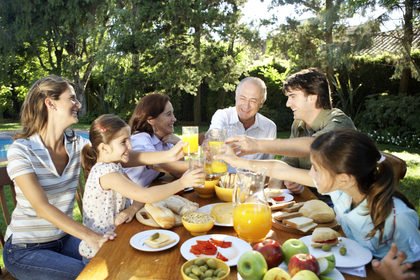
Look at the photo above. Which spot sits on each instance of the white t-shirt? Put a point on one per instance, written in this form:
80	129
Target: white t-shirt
143	142
262	128
29	155
100	207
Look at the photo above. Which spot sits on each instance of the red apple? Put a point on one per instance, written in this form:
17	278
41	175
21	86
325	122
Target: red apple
271	251
303	262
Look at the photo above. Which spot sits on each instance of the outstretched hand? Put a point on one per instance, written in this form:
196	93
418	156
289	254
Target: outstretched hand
193	177
101	239
393	268
242	144
171	138
176	152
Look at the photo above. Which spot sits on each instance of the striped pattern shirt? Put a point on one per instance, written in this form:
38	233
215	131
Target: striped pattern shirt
30	155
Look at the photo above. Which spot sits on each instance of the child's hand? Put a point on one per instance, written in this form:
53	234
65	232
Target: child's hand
125	216
176	152
391	267
99	240
193	177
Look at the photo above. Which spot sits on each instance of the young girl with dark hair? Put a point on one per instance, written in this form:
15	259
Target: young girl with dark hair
107	186
360	181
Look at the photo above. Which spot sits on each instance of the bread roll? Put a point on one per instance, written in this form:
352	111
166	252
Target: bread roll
318	211
324	235
145	218
164	217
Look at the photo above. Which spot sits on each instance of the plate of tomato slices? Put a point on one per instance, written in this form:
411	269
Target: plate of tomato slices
224	247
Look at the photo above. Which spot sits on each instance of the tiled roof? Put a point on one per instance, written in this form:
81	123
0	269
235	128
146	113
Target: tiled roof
390	42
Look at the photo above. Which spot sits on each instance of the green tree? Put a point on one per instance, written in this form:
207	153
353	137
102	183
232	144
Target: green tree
64	37
176	46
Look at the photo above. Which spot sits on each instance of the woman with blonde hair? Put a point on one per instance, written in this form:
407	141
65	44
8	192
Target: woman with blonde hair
44	162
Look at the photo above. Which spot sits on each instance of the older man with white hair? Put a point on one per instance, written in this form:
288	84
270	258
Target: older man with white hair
244	118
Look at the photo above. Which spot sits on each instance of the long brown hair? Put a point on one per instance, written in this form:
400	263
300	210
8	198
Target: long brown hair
34	113
354	153
102	130
150	106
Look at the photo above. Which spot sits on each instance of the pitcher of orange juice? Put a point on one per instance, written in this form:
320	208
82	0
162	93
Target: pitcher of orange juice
251	213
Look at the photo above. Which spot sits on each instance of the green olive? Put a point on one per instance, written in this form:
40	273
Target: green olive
326	247
343	250
200	261
212	263
154	236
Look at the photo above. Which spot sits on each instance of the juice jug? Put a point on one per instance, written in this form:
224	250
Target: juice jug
251	213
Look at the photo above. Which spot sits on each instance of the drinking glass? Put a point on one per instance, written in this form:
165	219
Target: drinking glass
251	213
190	136
197	161
218	167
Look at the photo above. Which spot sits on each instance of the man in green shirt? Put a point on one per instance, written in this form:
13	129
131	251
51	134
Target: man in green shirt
309	97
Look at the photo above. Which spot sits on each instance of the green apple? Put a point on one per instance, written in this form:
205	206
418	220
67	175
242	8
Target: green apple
292	247
326	263
252	265
305	275
276	273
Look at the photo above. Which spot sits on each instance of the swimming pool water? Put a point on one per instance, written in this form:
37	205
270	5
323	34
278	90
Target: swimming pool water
5	143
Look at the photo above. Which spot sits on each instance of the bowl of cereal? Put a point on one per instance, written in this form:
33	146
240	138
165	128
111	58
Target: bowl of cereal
203	268
198	223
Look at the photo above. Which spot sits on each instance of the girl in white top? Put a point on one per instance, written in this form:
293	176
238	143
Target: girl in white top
107	185
347	166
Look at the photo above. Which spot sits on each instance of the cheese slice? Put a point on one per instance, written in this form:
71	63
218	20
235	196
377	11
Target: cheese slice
159	242
223	213
298	222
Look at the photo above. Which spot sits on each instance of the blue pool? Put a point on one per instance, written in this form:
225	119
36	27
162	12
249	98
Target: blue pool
5	143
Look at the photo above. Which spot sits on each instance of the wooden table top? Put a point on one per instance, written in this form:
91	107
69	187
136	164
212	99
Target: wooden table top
118	260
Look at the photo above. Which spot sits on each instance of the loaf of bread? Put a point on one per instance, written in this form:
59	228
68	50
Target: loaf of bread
166	213
318	211
164	217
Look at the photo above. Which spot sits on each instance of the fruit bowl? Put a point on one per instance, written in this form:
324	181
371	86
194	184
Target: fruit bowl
198	223
208	190
211	263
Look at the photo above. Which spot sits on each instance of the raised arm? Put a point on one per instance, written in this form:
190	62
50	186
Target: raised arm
296	147
123	185
148	158
275	168
36	196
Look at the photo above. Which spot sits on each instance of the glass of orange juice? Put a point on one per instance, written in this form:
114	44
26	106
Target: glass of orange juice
251	214
218	167
190	136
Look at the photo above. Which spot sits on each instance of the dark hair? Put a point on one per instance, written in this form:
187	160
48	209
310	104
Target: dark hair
150	106
102	130
34	113
311	81
354	153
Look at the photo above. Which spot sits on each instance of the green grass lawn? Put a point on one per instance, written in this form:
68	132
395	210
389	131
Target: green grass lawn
410	185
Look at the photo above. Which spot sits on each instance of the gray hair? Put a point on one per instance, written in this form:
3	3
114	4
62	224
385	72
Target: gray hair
256	81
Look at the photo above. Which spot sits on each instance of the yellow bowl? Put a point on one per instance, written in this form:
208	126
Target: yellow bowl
224	194
198	223
208	190
219	263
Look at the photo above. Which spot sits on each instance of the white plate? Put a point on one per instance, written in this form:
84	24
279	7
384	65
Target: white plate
233	253
335	274
356	254
286	193
137	240
207	209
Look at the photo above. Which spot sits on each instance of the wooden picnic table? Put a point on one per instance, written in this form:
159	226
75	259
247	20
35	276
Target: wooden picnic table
118	260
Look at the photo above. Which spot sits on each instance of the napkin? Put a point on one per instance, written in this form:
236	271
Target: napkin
357	271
